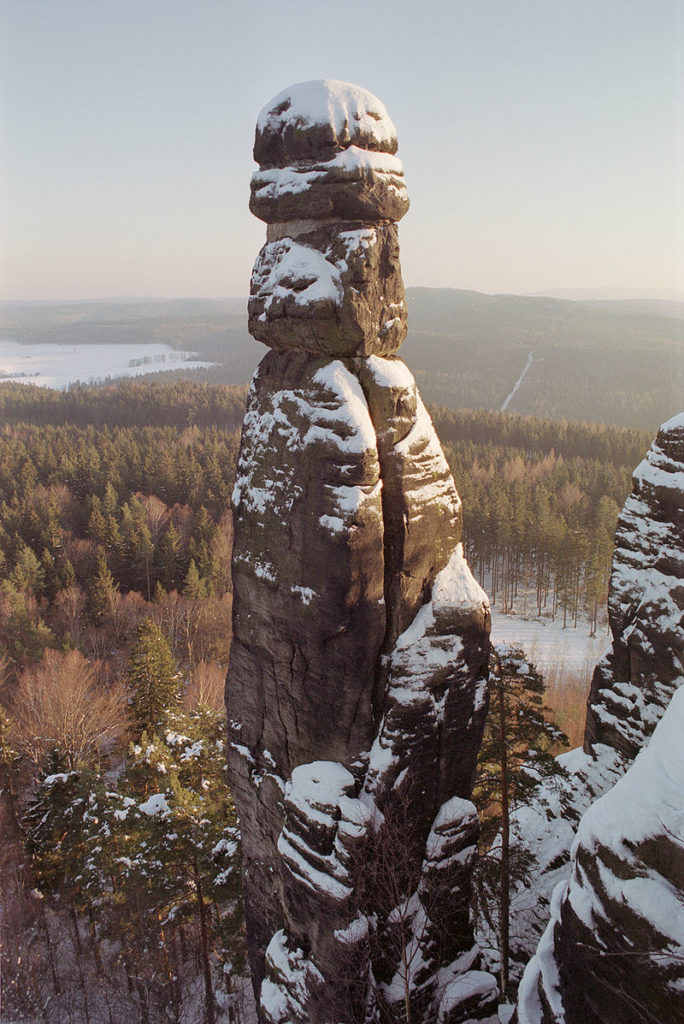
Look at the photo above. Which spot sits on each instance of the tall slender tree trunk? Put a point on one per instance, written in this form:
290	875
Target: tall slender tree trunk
204	936
51	958
407	986
504	913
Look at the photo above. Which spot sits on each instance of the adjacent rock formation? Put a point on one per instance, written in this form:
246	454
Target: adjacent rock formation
635	682
356	692
613	949
613	952
632	684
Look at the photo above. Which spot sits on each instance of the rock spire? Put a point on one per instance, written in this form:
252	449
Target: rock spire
356	691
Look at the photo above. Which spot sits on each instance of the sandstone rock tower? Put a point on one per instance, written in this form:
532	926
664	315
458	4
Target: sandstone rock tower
356	691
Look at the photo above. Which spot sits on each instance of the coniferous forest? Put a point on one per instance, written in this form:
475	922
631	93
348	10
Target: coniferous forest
120	841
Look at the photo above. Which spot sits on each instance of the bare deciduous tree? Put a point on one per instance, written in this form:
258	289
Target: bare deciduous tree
206	686
60	704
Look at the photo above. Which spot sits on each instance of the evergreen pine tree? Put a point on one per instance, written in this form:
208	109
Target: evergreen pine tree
163	854
28	574
67	576
50	574
169	557
515	758
194	586
53	822
153	676
110	502
102	586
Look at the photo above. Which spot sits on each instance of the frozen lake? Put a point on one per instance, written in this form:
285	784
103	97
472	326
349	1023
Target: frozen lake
57	366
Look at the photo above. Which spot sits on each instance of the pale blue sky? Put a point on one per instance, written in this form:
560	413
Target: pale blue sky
543	140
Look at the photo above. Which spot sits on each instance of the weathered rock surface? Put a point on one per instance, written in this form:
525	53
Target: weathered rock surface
631	688
634	683
328	279
613	951
326	150
356	692
337	292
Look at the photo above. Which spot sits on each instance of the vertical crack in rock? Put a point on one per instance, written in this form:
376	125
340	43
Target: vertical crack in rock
356	691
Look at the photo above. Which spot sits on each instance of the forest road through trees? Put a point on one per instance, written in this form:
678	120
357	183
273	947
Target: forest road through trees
521	378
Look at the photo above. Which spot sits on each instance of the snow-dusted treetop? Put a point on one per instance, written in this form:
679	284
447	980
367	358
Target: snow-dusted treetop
306	118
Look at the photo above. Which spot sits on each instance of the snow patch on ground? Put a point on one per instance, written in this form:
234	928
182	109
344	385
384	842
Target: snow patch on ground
547	643
56	366
155	805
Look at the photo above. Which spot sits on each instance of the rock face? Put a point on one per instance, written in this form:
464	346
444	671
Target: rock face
356	691
635	682
600	958
614	950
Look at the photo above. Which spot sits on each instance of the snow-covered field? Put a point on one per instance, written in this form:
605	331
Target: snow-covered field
548	644
57	366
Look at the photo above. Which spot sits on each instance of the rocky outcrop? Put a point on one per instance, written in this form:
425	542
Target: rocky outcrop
607	954
356	691
635	682
613	952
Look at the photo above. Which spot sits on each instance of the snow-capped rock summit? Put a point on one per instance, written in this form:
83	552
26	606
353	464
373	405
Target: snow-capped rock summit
331	190
310	117
356	691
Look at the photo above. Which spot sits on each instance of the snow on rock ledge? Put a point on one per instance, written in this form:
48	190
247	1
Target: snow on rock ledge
326	150
632	684
613	952
332	291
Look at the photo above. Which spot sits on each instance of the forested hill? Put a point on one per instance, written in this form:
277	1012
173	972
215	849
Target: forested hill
169	402
619	363
133	483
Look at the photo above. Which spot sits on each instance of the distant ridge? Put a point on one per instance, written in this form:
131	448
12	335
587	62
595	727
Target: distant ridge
659	307
601	360
613	294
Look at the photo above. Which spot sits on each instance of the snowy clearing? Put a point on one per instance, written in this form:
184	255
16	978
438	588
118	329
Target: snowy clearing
548	644
56	366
